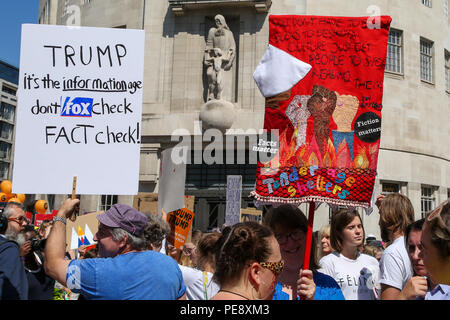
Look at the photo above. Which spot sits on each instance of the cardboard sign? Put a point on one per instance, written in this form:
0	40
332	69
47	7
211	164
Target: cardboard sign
234	195
81	231
180	222
79	110
146	202
323	82
251	214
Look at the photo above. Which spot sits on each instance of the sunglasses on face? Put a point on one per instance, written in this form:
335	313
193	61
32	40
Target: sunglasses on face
275	267
20	220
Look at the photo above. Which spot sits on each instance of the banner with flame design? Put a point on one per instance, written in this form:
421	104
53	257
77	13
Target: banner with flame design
329	122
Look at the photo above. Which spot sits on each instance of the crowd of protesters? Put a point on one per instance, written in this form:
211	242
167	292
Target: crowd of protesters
246	261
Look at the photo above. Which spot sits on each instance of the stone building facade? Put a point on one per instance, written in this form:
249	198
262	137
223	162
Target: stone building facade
9	77
414	152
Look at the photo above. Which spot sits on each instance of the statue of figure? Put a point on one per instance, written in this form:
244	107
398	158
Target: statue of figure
215	73
219	62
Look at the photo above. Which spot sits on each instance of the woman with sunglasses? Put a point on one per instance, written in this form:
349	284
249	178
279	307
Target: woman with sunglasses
248	262
289	225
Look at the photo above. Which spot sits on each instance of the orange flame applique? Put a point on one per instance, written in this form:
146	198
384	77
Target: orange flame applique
314	157
361	161
329	159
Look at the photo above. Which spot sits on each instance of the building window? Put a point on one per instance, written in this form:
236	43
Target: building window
390	187
106	202
6	130
214	176
5	150
44	18
8	90
4	170
426	60
447	71
427	3
428	200
394	51
7	111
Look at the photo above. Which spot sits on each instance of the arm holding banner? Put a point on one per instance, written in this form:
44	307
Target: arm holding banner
55	264
306	288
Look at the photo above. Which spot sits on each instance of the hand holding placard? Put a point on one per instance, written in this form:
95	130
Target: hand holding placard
180	222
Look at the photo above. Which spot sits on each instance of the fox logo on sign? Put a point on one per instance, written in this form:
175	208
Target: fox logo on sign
77	107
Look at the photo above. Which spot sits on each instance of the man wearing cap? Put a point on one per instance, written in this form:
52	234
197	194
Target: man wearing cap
126	270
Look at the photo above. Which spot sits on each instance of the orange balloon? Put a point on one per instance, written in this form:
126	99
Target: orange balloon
3	197
14	200
41	206
10	195
21	197
6	186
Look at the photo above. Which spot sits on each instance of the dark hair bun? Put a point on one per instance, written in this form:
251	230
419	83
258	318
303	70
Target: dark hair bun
239	245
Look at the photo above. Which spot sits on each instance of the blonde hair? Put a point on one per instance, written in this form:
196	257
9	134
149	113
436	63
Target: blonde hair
43	227
325	230
439	222
371	250
396	212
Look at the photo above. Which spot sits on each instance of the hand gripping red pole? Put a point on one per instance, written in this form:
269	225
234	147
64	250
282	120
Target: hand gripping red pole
309	236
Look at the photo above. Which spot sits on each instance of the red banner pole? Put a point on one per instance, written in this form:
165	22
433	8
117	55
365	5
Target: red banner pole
309	236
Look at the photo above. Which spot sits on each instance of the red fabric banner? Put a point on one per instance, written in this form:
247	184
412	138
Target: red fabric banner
329	122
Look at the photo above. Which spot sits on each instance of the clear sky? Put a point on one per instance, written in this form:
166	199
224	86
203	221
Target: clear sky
13	13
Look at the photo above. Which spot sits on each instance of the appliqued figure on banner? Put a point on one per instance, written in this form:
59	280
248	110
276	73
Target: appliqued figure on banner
298	113
321	105
343	115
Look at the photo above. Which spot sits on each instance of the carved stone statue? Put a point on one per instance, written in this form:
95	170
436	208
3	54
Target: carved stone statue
220	52
219	111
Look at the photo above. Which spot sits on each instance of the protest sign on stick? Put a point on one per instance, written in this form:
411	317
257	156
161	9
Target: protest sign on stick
180	222
234	194
172	178
79	110
323	82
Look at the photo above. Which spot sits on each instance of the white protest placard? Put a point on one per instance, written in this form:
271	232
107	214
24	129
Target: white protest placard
234	194
172	178
79	110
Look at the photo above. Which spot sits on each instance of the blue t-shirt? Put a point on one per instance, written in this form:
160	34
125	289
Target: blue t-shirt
13	280
147	275
326	289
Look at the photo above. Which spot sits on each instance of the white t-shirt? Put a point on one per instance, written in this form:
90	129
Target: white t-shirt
395	265
199	284
358	279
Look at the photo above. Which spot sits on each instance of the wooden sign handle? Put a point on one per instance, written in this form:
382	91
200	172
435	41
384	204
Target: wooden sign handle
73	217
74	188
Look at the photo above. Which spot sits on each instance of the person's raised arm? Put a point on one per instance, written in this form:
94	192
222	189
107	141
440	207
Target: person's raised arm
55	248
